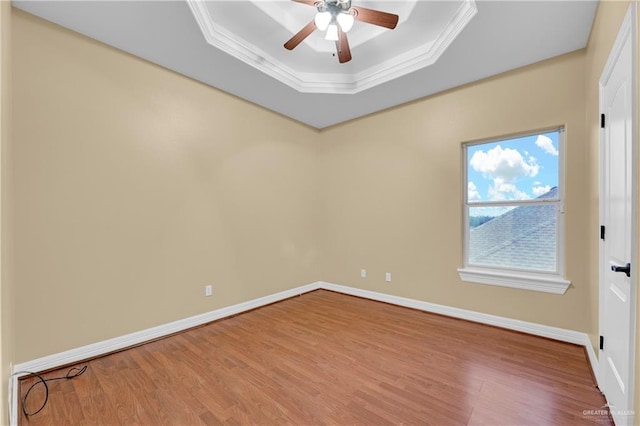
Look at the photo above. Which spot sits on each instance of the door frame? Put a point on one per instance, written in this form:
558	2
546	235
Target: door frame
628	31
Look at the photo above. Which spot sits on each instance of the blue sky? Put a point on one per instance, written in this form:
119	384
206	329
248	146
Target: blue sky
514	169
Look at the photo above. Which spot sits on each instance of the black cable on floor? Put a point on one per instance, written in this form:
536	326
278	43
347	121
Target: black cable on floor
71	374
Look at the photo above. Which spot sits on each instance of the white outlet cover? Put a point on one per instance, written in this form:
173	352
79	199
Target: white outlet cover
363	273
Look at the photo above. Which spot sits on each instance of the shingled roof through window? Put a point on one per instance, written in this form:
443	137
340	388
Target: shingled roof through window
524	237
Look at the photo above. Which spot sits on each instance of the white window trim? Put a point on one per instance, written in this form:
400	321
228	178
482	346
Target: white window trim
554	283
536	282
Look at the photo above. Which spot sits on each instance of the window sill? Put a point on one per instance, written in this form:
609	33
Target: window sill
533	282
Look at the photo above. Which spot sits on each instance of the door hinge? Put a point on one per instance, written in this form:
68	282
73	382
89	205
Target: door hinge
601	343
602	232
602	120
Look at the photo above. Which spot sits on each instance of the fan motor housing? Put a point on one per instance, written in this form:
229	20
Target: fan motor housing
333	6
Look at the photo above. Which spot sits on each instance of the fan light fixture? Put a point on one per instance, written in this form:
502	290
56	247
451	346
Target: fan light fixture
346	20
322	20
332	32
336	17
332	14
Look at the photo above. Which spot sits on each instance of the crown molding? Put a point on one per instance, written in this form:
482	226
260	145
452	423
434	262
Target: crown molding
422	56
331	83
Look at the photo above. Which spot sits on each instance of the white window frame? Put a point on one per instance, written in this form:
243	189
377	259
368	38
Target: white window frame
548	282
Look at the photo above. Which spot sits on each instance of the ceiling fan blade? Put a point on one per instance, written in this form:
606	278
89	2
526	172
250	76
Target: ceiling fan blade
376	17
309	2
342	46
300	35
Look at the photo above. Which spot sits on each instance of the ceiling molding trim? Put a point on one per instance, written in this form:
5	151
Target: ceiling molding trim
331	83
420	57
222	39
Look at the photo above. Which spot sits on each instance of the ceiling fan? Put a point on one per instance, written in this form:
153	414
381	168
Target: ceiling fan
337	18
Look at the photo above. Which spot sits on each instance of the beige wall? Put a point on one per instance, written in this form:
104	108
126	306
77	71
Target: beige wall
6	332
135	187
392	184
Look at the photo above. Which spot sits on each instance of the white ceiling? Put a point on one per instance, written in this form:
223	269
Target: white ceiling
237	46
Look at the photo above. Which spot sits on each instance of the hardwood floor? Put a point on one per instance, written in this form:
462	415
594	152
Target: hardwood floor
328	358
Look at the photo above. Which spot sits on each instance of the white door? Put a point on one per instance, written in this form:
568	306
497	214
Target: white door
618	269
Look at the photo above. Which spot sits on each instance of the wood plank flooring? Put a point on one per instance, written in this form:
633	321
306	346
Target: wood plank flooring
328	358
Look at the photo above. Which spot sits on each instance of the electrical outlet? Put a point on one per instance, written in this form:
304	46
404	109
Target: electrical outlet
387	277
208	290
363	273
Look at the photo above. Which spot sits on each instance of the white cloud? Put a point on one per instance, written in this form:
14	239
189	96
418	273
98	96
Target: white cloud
539	190
506	164
472	192
501	190
546	144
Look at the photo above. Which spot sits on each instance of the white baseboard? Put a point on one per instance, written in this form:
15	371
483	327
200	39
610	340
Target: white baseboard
13	399
117	343
593	360
555	333
101	348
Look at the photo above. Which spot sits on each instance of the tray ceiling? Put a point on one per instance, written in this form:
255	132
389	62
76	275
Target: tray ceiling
424	31
237	46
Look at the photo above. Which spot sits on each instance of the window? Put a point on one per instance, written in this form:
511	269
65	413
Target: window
513	212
